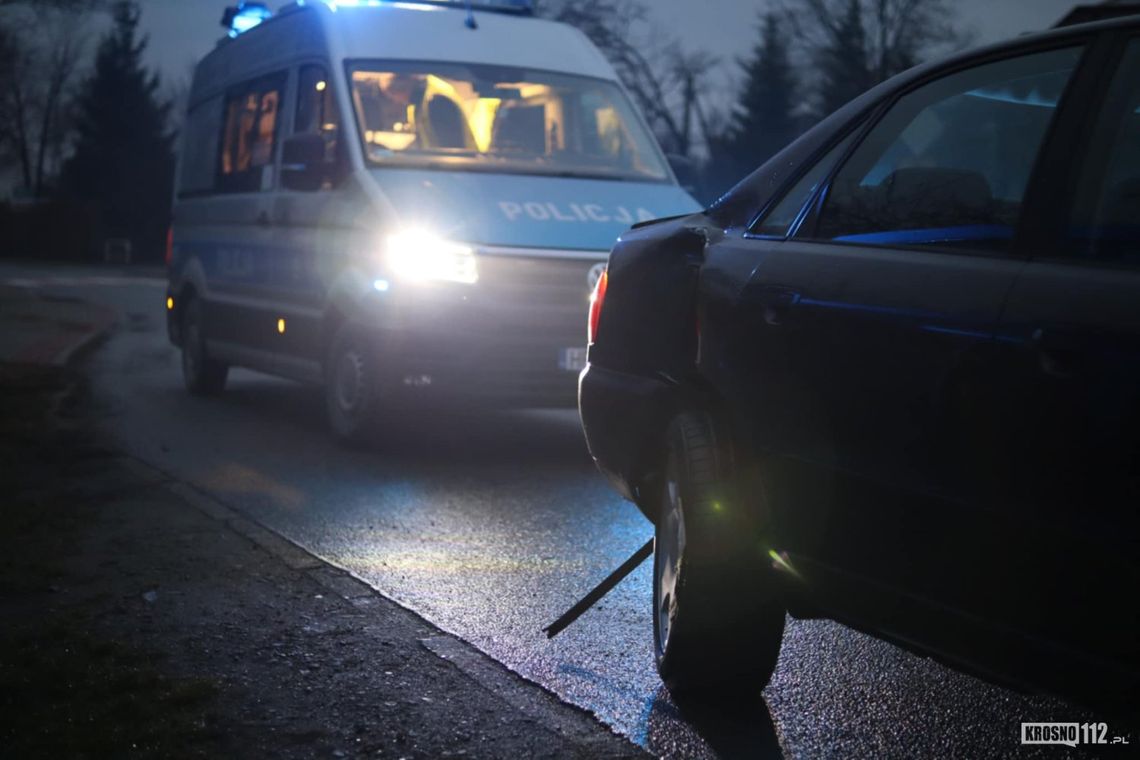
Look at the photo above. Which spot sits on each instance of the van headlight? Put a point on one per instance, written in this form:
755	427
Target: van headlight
420	256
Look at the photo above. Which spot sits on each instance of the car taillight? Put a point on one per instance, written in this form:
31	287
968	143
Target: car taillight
169	245
597	299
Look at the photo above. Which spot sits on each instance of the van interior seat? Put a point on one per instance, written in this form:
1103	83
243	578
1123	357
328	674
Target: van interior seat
520	128
447	126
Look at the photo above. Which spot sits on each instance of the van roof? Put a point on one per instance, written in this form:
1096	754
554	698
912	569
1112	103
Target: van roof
402	31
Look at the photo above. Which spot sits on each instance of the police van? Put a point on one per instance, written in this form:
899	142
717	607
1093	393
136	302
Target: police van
403	200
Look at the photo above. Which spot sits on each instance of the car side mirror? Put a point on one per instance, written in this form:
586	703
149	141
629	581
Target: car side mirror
303	162
685	170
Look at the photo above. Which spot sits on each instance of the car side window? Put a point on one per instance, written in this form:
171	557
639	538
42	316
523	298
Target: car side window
1105	220
781	219
317	114
249	136
948	164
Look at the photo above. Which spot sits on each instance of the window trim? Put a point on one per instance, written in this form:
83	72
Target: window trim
342	160
1016	248
352	64
1089	66
861	123
298	76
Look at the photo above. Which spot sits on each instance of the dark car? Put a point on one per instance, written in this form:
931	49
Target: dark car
893	378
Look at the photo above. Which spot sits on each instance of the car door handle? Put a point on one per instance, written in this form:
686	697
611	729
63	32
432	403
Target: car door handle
263	219
774	301
1058	351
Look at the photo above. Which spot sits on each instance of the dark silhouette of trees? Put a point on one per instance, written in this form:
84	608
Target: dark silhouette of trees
668	84
41	49
764	121
811	57
855	44
123	164
844	73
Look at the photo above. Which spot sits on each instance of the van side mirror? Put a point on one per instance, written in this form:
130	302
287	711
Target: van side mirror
686	172
303	162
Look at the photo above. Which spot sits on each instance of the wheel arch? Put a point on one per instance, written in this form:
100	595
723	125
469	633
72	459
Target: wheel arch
696	396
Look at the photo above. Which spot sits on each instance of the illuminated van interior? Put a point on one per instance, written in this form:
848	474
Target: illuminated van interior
499	119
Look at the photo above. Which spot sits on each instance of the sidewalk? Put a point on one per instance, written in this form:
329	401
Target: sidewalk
143	618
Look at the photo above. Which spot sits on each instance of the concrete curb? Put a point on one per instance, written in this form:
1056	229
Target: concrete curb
577	725
107	320
61	333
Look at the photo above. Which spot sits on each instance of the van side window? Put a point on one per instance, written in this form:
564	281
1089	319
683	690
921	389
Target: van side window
317	114
199	147
948	164
249	136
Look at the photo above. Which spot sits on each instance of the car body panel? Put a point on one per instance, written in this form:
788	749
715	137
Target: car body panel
941	443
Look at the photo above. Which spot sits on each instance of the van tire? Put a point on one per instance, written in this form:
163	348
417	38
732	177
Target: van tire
717	620
202	375
352	392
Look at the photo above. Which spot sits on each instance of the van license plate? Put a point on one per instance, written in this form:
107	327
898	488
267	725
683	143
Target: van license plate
572	359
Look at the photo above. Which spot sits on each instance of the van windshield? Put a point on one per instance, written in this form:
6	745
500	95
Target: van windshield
494	118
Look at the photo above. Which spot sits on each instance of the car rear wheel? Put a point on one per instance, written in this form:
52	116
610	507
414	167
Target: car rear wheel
717	623
351	390
202	375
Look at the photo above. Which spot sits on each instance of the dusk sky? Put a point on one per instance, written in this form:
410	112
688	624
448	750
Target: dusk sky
181	31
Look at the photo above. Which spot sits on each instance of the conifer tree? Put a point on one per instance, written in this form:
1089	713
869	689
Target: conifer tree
763	121
123	164
843	65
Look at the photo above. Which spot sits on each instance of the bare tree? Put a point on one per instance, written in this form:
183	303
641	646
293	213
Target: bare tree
63	54
895	34
73	6
41	49
690	73
667	83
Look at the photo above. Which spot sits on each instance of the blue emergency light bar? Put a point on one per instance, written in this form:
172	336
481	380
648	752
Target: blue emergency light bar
525	7
245	16
249	13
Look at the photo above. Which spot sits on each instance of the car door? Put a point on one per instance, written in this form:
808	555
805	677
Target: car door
315	227
876	316
240	263
1070	395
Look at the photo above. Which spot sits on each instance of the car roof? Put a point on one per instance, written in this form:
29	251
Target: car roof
1031	39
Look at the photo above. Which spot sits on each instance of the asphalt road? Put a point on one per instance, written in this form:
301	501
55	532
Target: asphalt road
490	525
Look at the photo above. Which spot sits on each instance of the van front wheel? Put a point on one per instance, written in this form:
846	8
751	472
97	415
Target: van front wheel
202	375
351	390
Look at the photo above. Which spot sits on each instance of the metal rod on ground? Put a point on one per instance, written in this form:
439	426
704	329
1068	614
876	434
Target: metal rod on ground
603	588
